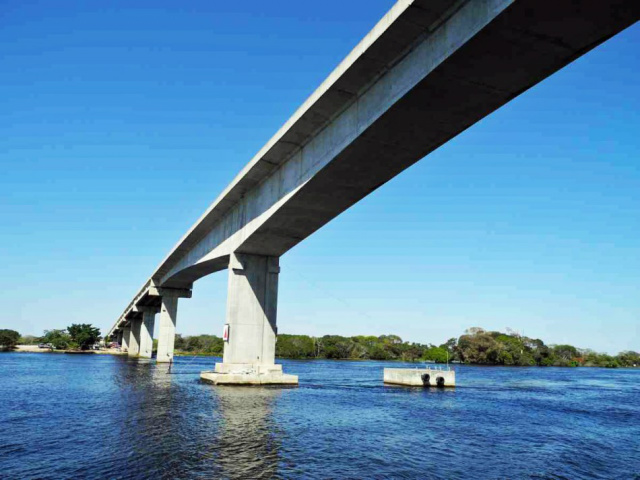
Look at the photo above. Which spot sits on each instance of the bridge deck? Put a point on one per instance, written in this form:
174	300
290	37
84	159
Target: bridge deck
426	72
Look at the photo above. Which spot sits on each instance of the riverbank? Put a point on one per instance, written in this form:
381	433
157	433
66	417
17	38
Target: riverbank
36	349
181	353
475	347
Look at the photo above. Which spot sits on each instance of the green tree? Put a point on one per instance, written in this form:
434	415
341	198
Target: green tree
59	339
411	352
83	335
194	343
511	348
629	359
212	345
565	355
337	347
8	339
179	342
295	346
437	354
200	344
478	346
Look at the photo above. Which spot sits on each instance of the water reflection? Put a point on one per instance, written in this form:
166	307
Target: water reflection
228	432
247	441
162	379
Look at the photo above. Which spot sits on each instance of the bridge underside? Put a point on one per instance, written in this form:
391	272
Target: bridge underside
522	45
427	72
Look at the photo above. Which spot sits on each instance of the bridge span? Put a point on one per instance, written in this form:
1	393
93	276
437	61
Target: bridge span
426	72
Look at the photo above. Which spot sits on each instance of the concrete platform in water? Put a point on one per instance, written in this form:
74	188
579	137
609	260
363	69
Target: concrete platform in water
420	377
249	375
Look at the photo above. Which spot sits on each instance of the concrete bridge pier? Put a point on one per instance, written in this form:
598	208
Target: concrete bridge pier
147	324
168	318
250	346
126	334
167	331
134	337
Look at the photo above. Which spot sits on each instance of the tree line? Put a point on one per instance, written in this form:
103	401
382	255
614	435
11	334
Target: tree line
496	348
199	344
475	346
75	337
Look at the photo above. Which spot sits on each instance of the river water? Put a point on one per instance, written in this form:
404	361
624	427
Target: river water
102	417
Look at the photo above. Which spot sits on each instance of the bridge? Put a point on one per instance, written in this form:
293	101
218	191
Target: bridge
427	71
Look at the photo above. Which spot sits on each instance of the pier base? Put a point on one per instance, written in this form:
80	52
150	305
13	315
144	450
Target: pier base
248	374
420	377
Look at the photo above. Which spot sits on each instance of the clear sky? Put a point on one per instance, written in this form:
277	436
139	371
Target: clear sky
122	121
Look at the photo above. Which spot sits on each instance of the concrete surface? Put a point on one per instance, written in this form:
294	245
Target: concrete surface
249	378
126	338
167	330
134	338
420	377
146	331
252	302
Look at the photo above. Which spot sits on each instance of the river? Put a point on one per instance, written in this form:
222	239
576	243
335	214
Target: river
108	417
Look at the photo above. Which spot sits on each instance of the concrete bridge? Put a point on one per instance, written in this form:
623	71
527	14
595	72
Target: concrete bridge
427	71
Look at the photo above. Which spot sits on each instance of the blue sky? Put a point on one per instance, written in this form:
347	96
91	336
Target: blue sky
122	122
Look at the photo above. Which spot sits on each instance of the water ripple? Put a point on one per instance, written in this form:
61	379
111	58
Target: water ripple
97	417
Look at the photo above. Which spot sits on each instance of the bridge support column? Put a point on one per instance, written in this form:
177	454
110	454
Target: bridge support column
126	334
146	331
134	338
250	347
167	332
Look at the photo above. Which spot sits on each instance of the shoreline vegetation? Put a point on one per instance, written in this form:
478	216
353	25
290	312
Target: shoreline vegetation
35	349
476	346
76	338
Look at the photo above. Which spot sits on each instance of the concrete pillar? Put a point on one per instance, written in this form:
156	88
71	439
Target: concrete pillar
134	338
146	331
126	335
252	303
167	331
118	338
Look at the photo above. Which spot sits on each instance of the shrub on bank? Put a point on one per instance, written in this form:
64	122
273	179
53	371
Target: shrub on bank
8	339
